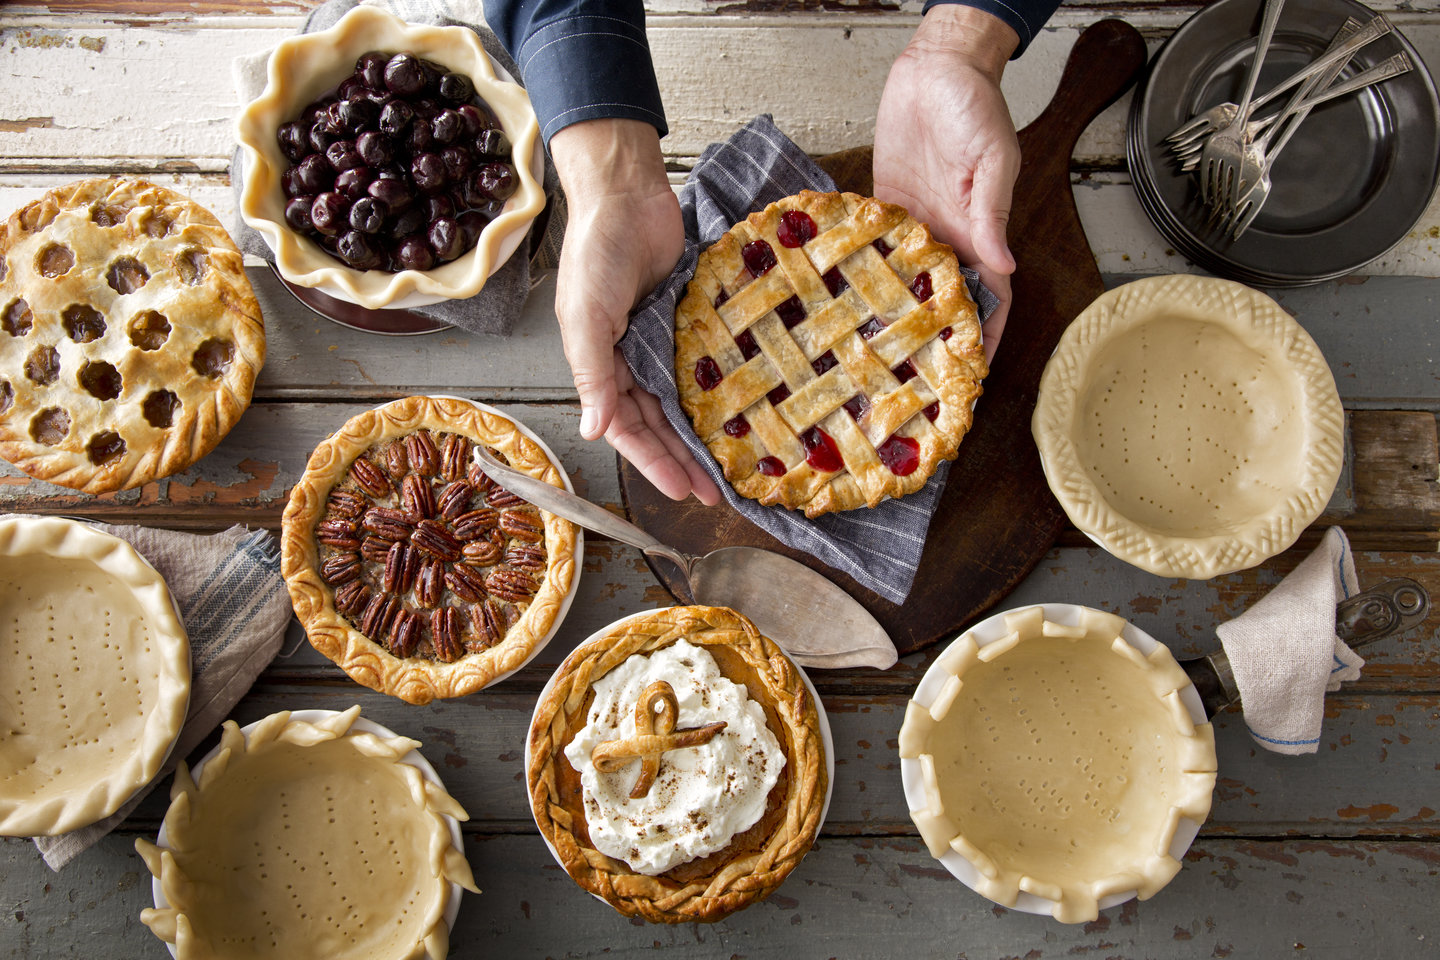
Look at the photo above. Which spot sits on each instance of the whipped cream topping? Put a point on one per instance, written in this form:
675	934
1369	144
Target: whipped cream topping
703	796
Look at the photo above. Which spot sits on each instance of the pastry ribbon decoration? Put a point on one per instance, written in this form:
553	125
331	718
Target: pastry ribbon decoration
656	713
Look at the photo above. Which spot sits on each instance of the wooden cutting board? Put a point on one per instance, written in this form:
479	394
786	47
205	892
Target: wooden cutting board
997	517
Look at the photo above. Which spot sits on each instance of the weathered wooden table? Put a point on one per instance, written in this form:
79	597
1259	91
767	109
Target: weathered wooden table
1330	855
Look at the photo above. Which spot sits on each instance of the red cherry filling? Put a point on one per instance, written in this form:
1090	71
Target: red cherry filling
857	405
920	286
906	371
748	346
932	411
883	247
759	257
820	451
721	297
770	466
900	454
796	229
707	373
778	395
824	362
791	312
737	426
947	333
834	282
870	327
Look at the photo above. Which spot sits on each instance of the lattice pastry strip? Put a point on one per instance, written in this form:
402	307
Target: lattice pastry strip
828	352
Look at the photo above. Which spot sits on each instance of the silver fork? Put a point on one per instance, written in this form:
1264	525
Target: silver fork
1223	149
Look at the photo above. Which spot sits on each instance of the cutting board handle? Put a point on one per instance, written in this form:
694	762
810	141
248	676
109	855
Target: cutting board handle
1101	66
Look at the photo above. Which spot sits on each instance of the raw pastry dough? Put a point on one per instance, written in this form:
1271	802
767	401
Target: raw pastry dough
1058	761
1189	425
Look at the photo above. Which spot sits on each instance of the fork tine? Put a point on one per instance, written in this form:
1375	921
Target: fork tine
1192	128
1243	222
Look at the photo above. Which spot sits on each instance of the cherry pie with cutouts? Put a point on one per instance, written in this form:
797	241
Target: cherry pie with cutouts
129	336
828	353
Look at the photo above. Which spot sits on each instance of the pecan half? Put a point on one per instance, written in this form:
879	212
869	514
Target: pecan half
340	569
368	477
339	533
480	553
479	479
445	634
429	582
512	585
432	537
402	563
424	457
523	525
488	621
343	503
395	460
455	500
375	549
379	612
466	584
454	457
352	598
389	523
504	498
476	523
417	497
406	633
525	556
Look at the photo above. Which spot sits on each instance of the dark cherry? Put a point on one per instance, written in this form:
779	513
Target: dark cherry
426	108
342	155
359	251
413	253
476	119
834	282
357	114
353	183
370	68
428	172
455	87
411	220
458	163
290	183
493	143
494	181
746	342
367	215
870	327
921	287
329	213
796	229
905	371
770	466
820	450
294	140
440	207
900	454
472	222
707	373
314	174
320	137
737	426
779	395
376	149
721	297
447	126
396	117
350	88
856	406
313	113
446	238
932	411
824	362
331	119
759	257
417	138
791	312
404	76
395	194
883	247
947	333
297	214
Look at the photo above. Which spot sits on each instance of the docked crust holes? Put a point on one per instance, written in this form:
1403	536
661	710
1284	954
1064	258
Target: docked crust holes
126	275
149	330
109	214
213	358
192	265
105	447
17	319
55	260
160	408
101	380
50	426
83	322
43	365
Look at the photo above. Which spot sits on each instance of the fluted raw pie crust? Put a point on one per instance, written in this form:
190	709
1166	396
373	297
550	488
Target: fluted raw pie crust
1189	425
97	674
306	839
745	877
306	66
412	679
1058	760
205	349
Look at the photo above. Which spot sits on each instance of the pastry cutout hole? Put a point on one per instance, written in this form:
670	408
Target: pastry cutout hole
49	426
158	225
213	357
108	214
126	275
160	408
7	396
192	265
4	269
55	260
43	365
149	330
105	447
17	319
101	380
83	323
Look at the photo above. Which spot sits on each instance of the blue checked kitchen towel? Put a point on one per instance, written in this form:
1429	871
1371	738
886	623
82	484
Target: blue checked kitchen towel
880	547
235	607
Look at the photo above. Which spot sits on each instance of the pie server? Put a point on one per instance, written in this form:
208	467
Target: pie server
783	597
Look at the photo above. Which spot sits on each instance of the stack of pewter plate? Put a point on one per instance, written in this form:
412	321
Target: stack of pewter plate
1351	183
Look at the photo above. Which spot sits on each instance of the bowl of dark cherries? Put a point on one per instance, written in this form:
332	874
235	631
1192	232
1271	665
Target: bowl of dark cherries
387	165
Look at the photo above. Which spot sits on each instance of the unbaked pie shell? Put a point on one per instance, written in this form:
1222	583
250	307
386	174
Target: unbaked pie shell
97	674
1189	426
371	827
744	879
1059	755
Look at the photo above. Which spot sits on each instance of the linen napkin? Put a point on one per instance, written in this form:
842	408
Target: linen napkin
1284	651
235	608
880	547
496	307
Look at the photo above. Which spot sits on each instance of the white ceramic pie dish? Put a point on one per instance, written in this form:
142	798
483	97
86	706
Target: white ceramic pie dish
361	725
933	688
306	66
1189	426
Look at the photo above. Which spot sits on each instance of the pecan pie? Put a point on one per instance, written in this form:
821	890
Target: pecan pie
828	353
676	765
409	567
129	335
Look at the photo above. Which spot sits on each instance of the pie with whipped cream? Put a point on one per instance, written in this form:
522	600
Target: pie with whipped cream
97	674
828	353
307	839
676	765
411	568
129	336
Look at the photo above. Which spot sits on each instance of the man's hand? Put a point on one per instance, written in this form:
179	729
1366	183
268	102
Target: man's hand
624	237
945	146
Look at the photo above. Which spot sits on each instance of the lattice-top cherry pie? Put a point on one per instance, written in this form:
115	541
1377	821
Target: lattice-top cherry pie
129	335
828	353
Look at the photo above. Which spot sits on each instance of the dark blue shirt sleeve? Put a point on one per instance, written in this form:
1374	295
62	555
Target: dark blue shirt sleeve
580	59
1026	17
